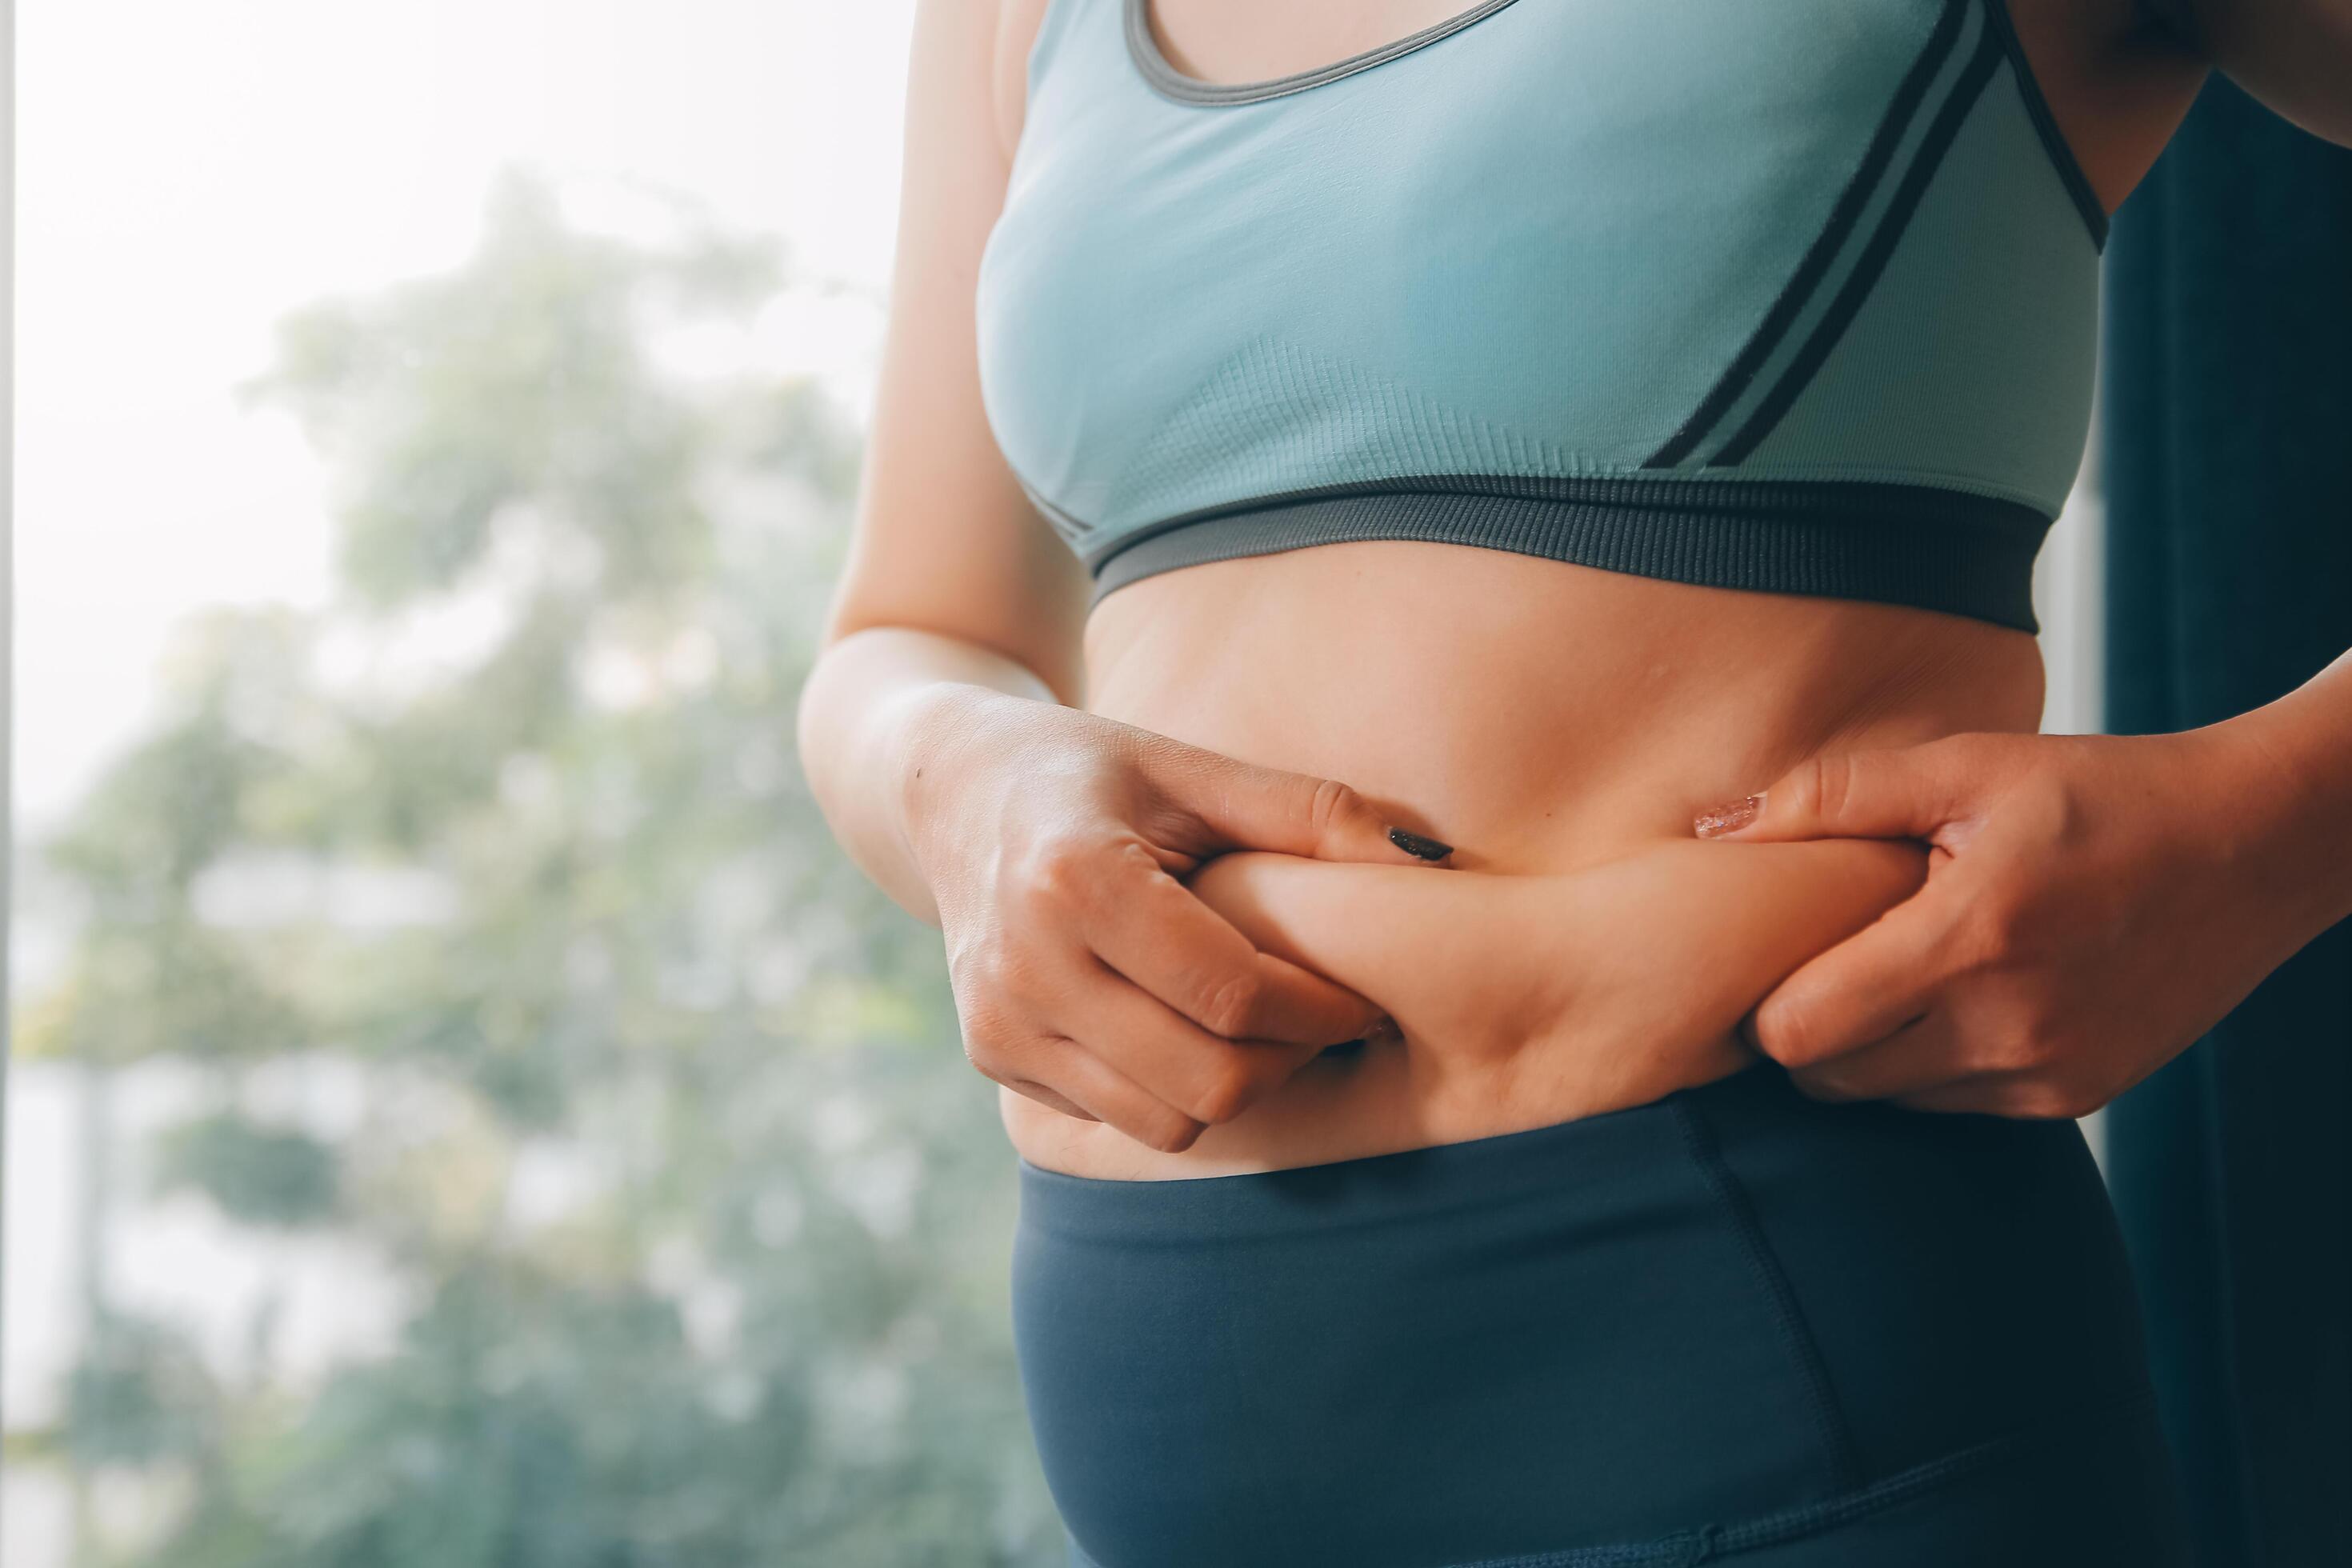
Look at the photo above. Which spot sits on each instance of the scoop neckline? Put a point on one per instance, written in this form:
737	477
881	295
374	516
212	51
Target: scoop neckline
1143	49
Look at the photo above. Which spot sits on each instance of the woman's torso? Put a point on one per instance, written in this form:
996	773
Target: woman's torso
1542	714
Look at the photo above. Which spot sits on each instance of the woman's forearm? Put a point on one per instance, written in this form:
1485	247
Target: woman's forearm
871	698
2299	749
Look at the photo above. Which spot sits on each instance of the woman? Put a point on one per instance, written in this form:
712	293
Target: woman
1352	492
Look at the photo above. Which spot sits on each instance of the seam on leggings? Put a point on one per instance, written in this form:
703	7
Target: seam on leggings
1829	1421
1711	1543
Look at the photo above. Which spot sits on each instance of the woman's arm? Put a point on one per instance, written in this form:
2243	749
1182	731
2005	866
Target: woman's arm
951	578
2094	904
940	732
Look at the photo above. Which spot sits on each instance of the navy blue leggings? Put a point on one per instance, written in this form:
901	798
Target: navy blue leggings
1736	1325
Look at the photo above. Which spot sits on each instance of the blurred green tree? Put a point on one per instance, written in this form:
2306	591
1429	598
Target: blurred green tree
560	903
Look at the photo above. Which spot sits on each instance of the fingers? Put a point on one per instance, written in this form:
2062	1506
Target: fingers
1152	929
1863	990
1879	1018
1909	793
1209	1078
1128	1061
1923	1055
1103	1093
1209	804
1106	989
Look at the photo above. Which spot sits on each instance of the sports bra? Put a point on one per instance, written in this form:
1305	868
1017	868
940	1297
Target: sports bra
1797	296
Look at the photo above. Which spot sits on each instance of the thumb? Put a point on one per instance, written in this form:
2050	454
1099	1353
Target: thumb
1909	793
1218	804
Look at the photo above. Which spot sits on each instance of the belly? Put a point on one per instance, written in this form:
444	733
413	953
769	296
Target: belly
1559	726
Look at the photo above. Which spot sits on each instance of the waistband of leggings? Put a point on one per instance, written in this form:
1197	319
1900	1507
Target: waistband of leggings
1592	1160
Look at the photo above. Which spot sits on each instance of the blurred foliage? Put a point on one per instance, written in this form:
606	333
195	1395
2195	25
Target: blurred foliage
697	1216
259	1174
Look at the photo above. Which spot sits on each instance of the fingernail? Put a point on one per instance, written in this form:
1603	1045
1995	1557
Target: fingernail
1414	844
1717	820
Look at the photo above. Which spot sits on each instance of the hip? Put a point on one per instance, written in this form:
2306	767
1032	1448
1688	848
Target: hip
1730	1311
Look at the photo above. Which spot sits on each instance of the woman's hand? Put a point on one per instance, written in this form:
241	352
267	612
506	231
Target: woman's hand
1087	975
2094	904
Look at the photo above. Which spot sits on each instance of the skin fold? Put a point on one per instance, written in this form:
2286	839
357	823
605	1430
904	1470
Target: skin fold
1517	1001
1579	951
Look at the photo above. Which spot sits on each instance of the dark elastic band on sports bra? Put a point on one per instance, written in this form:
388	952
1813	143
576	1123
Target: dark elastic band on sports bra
1898	543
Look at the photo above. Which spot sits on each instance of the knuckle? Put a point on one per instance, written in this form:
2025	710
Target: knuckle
989	1045
1060	873
1786	1030
1228	1003
1816	787
1332	805
1128	867
1166	1129
1227	1095
995	1026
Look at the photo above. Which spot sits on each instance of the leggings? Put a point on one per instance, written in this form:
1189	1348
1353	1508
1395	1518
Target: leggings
1736	1325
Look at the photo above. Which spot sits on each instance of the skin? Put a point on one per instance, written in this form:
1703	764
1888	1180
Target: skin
1154	838
1513	1000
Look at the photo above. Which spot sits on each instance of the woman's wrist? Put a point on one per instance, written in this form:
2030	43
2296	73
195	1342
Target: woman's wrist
927	730
877	707
2285	771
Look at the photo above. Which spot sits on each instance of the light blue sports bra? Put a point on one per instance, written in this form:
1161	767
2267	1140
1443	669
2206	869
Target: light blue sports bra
1798	296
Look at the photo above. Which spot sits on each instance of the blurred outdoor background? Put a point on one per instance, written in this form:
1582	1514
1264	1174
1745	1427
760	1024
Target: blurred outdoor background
465	1110
465	1114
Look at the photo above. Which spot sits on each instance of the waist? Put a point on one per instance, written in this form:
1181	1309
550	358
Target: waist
1559	726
